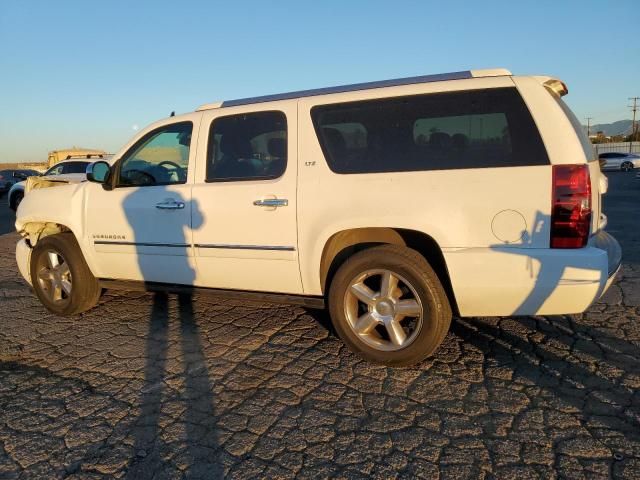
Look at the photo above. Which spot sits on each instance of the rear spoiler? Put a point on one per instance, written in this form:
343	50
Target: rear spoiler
555	85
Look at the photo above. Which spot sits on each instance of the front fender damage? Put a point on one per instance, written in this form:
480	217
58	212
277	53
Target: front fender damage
35	183
34	231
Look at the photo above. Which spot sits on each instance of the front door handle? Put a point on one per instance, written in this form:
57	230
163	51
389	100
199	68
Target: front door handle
170	205
271	202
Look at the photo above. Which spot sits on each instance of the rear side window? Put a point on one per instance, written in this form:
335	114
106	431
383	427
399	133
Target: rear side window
249	146
472	129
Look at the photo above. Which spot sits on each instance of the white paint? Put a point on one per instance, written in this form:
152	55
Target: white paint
459	209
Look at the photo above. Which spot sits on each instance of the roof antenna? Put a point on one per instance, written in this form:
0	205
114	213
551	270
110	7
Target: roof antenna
173	114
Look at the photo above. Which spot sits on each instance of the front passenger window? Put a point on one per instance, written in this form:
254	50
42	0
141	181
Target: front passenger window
159	158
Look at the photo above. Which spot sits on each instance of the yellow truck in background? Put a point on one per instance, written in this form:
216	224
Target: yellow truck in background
57	156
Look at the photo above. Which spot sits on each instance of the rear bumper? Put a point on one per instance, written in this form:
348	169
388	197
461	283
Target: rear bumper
603	241
23	259
609	244
504	281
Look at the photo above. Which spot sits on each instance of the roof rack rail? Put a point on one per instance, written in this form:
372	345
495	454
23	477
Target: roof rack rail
439	77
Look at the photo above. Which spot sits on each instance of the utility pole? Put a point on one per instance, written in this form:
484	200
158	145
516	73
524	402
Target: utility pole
588	119
633	108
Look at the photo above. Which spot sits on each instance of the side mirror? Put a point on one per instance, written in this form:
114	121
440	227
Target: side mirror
99	172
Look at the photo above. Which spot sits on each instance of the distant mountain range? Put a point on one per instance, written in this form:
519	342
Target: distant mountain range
621	127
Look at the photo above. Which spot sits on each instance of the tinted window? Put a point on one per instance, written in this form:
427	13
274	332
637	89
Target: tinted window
68	167
250	146
159	158
75	167
473	129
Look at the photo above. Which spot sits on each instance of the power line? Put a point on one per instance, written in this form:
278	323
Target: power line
634	109
588	119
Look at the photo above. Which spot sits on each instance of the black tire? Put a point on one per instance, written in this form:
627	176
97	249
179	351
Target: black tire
85	289
407	263
15	200
626	167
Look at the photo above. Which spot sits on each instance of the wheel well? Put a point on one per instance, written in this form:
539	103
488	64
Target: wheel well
344	244
12	198
34	231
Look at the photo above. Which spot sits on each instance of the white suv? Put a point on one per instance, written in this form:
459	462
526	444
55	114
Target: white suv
394	203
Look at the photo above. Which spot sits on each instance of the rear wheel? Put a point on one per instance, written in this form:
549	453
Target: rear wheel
626	166
388	305
60	276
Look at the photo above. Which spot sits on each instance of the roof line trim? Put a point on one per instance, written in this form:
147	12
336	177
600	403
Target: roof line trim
440	77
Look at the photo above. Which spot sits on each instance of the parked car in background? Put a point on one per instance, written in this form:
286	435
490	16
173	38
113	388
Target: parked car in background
9	177
619	161
57	156
69	171
395	204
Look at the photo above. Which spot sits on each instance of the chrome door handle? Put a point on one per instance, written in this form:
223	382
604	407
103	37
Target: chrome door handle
170	205
271	202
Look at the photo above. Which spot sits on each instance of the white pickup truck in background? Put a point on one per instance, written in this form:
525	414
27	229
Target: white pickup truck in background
68	171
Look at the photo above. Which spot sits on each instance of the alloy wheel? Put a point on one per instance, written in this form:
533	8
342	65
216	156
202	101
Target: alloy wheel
54	277
383	309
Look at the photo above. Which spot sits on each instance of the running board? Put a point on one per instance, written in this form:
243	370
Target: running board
257	297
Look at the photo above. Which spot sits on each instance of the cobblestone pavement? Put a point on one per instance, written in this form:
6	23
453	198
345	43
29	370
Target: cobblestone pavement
155	386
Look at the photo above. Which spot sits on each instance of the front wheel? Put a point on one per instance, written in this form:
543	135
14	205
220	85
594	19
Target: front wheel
626	166
60	276
388	305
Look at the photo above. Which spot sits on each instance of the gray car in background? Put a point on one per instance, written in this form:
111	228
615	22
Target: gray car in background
11	176
619	161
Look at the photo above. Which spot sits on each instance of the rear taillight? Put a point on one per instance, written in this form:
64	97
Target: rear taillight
571	208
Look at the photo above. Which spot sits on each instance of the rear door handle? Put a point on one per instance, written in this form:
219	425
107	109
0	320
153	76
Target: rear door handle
271	202
170	205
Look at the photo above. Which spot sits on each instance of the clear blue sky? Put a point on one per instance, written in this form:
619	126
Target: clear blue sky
88	72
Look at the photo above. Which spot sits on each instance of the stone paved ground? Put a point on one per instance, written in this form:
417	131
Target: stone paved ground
158	386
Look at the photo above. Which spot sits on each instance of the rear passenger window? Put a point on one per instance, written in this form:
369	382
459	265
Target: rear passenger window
472	129
250	146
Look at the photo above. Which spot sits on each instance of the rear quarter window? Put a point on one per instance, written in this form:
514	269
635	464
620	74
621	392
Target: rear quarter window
471	129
